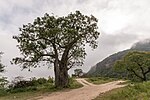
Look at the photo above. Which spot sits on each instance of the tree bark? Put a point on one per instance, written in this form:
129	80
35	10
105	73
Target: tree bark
61	74
60	68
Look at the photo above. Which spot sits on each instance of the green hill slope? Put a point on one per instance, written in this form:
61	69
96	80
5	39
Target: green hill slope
105	67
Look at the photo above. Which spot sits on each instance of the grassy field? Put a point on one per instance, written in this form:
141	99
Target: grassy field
74	84
136	91
100	80
20	94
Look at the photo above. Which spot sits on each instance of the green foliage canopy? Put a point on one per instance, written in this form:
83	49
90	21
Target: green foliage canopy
49	36
78	72
136	63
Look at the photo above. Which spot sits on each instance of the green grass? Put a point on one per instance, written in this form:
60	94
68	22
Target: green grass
100	80
109	95
74	84
136	91
20	94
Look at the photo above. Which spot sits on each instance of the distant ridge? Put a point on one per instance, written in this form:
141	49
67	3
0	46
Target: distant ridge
105	67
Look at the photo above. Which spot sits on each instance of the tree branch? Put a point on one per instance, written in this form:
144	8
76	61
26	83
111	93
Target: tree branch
147	71
142	70
135	73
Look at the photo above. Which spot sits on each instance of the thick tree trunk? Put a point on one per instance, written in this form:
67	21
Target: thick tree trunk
60	69
61	75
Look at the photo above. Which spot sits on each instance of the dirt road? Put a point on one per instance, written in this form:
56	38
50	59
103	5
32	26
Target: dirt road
88	92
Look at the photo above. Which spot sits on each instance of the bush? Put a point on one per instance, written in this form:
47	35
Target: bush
50	80
16	90
20	85
42	81
3	82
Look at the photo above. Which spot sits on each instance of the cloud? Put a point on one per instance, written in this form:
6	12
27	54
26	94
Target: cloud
121	23
109	44
130	16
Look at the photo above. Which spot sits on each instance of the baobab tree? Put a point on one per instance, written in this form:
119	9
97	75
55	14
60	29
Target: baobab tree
57	40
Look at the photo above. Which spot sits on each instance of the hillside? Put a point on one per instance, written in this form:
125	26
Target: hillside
105	67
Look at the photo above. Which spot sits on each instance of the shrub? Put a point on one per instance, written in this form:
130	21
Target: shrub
3	82
20	85
50	80
41	81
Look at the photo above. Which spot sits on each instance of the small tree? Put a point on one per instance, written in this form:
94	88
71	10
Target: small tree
135	63
57	40
1	65
78	72
3	80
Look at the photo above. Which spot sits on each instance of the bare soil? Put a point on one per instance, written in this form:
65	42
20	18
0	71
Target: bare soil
88	92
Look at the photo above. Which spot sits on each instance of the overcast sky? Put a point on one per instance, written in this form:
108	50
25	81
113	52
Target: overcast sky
121	23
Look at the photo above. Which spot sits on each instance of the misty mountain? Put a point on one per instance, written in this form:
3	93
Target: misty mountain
105	67
142	45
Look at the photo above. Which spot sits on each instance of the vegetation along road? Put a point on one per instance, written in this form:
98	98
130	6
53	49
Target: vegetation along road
88	92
